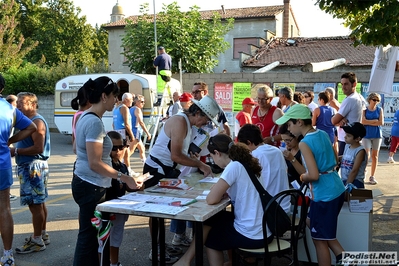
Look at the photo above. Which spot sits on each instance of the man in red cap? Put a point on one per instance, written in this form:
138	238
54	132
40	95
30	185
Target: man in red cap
244	116
185	100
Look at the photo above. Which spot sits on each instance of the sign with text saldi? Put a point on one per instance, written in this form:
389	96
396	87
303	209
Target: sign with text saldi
223	94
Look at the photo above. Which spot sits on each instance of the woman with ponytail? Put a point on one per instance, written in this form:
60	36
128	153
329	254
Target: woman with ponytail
227	230
93	169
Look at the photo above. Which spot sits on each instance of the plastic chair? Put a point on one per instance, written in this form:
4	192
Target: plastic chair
286	247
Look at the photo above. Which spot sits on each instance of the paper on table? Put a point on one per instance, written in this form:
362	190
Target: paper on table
153	199
203	196
144	207
209	179
157	189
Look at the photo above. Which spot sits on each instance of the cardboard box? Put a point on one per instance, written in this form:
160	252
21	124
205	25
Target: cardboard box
361	200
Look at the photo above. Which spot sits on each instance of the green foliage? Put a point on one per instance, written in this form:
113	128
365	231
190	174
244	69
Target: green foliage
36	79
62	35
372	22
12	50
185	35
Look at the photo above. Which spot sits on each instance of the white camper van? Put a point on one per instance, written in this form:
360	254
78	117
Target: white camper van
66	89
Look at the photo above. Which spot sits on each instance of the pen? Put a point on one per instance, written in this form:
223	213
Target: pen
173	203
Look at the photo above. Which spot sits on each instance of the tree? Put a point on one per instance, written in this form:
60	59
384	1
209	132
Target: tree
12	50
372	22
185	35
62	35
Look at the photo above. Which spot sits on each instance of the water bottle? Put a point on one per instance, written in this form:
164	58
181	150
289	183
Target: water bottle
283	146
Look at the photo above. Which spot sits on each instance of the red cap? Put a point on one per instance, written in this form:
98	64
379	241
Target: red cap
185	97
248	101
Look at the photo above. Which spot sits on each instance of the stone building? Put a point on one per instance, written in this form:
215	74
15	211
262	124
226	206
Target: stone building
253	27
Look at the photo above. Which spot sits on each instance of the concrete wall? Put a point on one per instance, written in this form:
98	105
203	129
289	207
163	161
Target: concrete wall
46	109
46	103
243	29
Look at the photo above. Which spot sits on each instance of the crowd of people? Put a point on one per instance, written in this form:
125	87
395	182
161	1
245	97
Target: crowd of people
286	142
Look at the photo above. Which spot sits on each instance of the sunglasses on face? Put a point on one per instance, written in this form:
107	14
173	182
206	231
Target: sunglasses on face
120	147
195	92
375	100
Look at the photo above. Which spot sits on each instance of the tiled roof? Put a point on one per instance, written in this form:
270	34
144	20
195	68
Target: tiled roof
311	50
236	13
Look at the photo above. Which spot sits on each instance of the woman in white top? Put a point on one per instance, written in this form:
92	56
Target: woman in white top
227	230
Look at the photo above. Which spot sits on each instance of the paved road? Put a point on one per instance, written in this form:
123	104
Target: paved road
62	221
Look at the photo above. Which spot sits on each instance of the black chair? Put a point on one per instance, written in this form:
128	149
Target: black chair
286	246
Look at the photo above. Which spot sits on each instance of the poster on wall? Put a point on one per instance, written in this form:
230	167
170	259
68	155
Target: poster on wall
318	87
240	92
223	94
277	86
341	95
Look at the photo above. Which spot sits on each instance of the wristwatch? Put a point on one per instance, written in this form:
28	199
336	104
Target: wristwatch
293	160
272	138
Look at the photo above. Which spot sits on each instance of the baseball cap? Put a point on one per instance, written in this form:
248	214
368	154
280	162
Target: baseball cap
248	101
356	129
297	111
161	48
2	82
185	97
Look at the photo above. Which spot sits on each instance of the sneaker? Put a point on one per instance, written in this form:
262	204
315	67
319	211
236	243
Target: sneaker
181	240
13	197
172	250
168	259
46	238
390	160
31	246
372	180
7	261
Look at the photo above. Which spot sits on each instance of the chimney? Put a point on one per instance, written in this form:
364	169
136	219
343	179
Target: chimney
223	11
286	19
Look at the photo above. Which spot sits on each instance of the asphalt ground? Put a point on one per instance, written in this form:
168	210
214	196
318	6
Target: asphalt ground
62	223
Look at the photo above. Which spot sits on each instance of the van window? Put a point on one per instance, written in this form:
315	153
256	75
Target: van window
66	98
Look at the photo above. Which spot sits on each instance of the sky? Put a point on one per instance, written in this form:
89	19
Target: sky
312	21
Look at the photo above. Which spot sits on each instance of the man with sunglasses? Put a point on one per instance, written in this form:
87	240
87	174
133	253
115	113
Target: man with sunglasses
122	123
138	126
351	108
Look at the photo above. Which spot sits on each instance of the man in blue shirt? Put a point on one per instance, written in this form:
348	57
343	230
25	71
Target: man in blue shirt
9	117
164	64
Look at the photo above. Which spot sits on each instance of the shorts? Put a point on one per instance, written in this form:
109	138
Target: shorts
324	218
373	144
33	178
6	178
394	144
223	235
136	133
117	229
